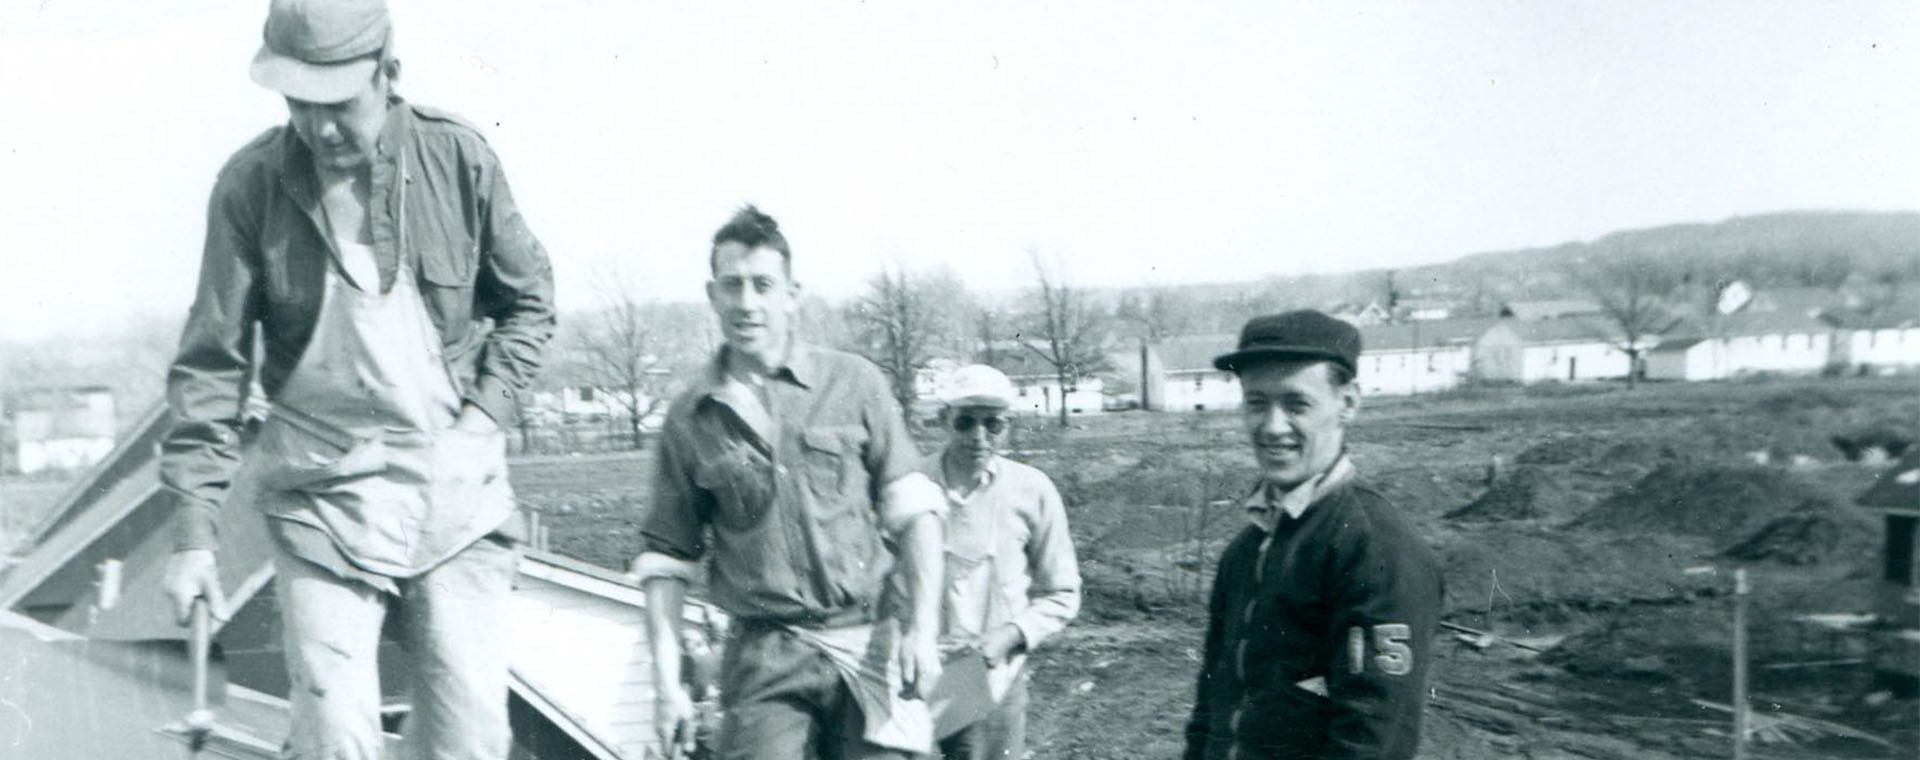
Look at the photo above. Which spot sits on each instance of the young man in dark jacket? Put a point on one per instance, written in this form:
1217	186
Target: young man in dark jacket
1320	628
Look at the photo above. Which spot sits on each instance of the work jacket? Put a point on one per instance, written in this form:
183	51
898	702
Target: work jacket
439	191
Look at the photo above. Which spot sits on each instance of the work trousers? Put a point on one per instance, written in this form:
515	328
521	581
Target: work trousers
784	700
1001	735
452	628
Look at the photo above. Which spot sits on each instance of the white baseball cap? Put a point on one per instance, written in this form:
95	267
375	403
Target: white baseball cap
977	385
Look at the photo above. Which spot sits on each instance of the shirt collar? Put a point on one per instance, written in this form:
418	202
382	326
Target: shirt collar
937	469
802	368
1268	502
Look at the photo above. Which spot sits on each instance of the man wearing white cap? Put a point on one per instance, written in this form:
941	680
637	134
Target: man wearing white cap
1012	577
374	248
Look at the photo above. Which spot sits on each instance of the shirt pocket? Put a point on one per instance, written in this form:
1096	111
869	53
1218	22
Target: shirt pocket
447	273
827	462
293	259
741	494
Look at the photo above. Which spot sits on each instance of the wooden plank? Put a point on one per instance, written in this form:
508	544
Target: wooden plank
246	566
568	722
94	521
122	462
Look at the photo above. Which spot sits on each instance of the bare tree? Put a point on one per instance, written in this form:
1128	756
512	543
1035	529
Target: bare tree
822	323
1826	267
631	350
899	324
1068	330
1636	294
1154	315
991	328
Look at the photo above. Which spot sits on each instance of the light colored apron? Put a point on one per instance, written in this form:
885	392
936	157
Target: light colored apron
361	444
963	568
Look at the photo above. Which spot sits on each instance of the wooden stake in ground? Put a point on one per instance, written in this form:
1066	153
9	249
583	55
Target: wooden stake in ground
1741	712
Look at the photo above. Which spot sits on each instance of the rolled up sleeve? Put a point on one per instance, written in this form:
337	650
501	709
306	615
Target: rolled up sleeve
903	492
907	498
680	508
207	381
652	564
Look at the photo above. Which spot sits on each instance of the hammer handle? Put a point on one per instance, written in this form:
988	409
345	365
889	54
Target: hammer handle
200	644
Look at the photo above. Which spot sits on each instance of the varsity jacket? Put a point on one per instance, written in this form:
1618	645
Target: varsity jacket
1319	635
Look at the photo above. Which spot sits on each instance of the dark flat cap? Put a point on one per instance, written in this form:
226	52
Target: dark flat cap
1294	336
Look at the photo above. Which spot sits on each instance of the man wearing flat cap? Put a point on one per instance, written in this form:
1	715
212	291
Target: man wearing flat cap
1320	627
1012	579
373	249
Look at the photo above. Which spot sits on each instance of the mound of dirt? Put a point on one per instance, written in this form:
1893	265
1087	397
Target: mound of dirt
1811	536
1801	399
1683	644
1564	450
1598	451
1700	501
1530	572
1518	495
1642	453
1875	443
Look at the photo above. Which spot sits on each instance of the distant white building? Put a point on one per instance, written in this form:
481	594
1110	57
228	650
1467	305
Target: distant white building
1687	359
1738	344
1360	314
1037	387
1041	395
1884	347
585	403
1395	359
1562	350
1783	330
1423	309
1180	377
59	428
1200	389
1417	357
1887	338
1564	308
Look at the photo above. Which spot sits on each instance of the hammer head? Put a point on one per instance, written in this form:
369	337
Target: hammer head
199	726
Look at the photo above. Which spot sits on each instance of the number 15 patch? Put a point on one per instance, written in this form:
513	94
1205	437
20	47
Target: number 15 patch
1391	654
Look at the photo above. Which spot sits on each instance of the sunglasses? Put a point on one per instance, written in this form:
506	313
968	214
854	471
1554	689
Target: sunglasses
964	423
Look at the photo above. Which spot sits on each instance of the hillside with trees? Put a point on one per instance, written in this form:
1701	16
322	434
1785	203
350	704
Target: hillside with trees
906	318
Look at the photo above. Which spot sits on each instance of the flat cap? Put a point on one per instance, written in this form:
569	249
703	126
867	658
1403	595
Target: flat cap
1305	334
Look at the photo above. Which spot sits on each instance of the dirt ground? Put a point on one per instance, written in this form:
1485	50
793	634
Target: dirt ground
1597	523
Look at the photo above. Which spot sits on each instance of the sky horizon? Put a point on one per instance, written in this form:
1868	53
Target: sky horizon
1138	144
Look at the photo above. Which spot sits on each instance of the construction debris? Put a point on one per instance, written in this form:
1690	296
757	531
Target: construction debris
1775	727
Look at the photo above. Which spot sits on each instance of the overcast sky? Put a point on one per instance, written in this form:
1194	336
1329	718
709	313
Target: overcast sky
1140	143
